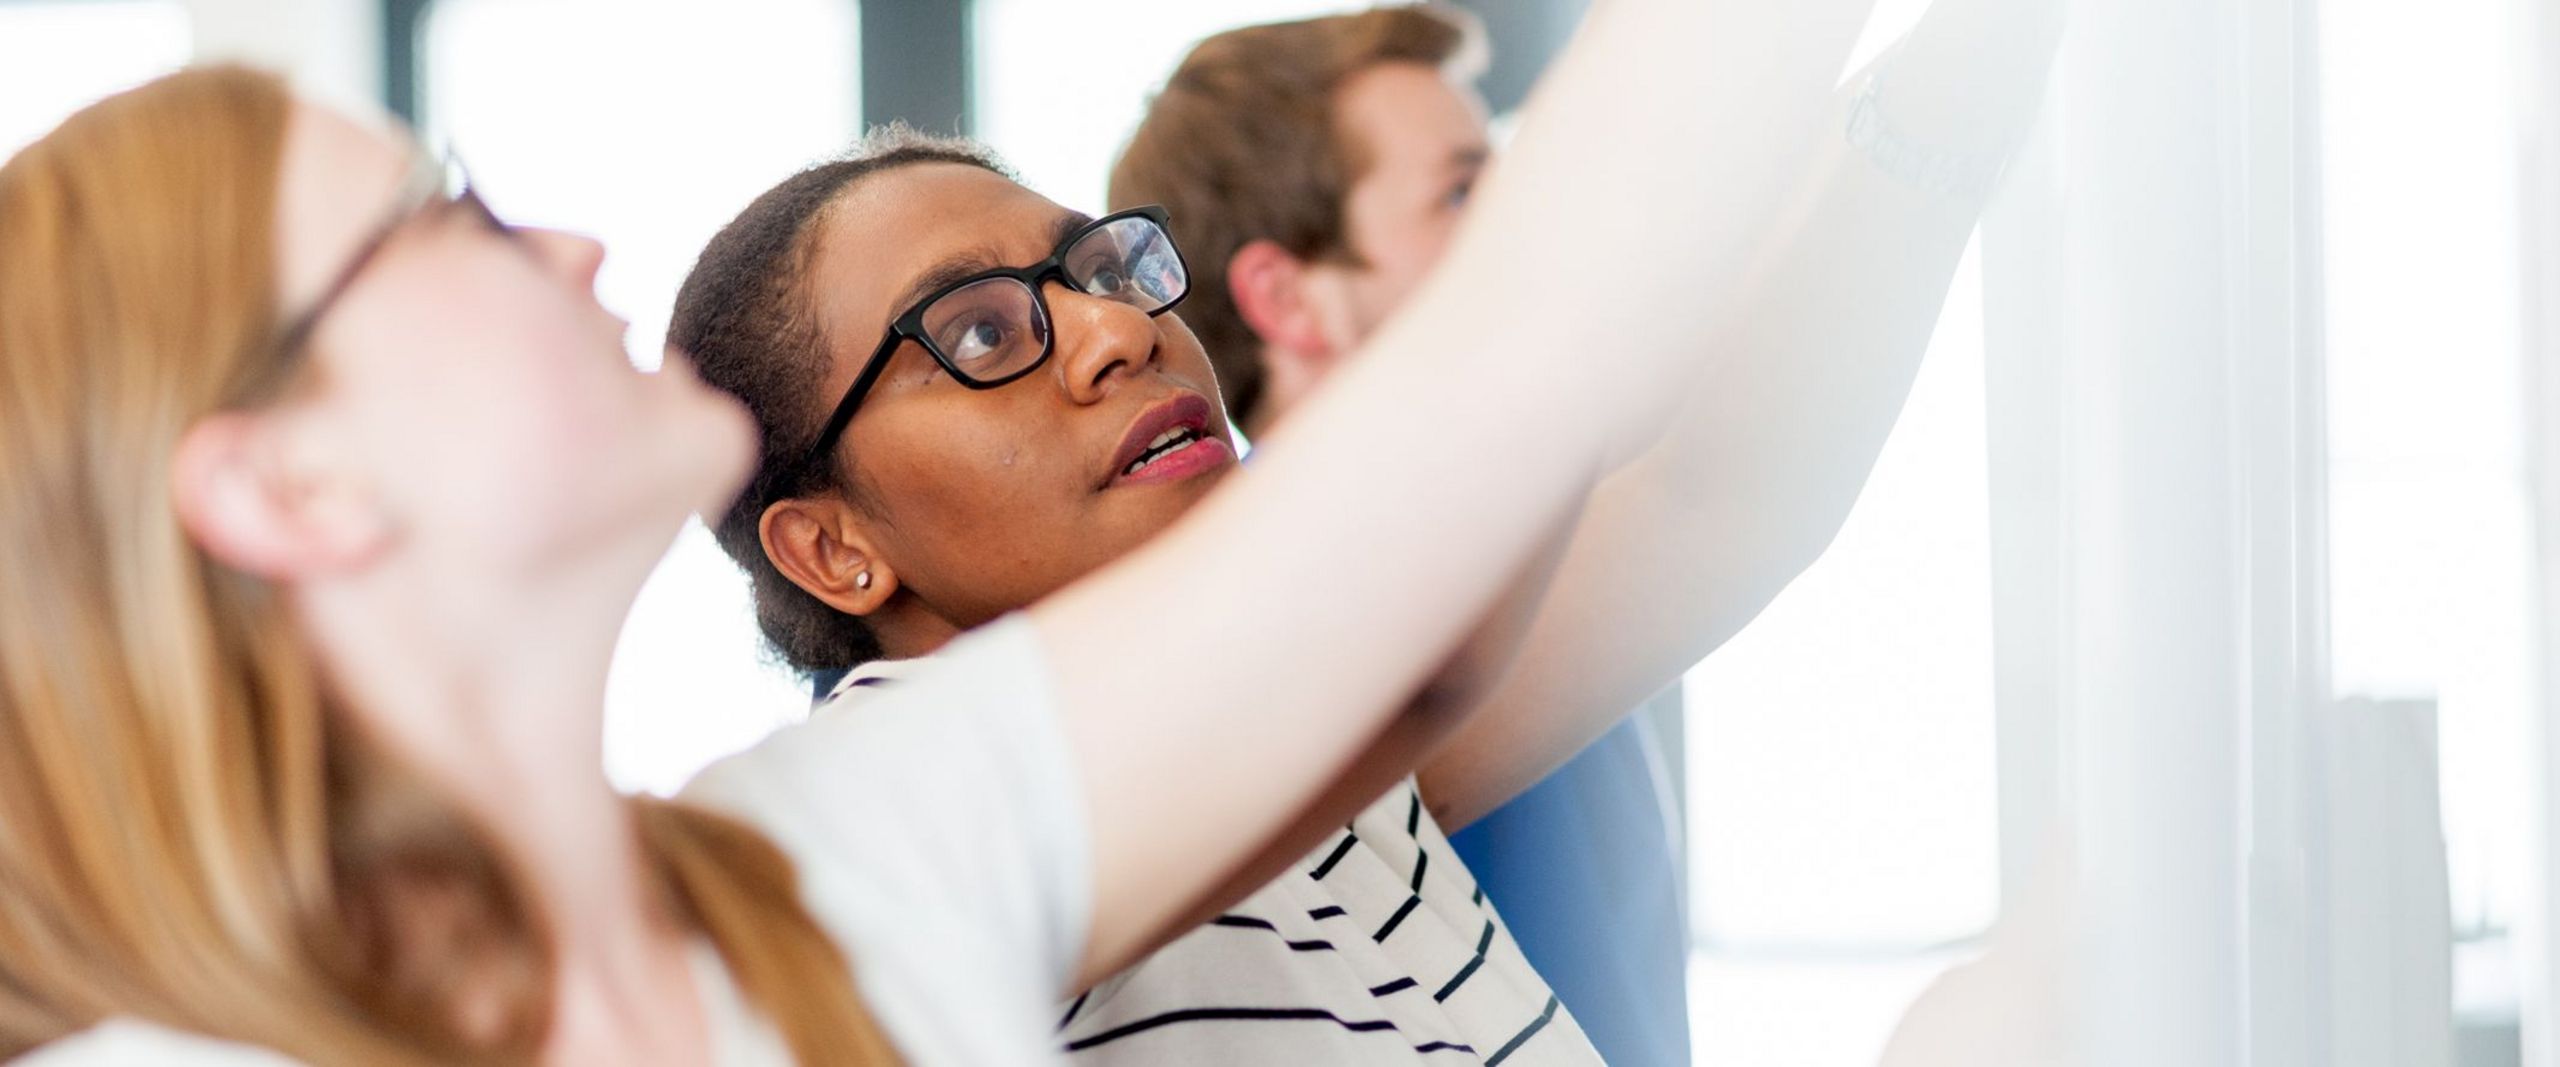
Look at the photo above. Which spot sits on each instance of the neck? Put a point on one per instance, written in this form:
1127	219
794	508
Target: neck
494	693
909	629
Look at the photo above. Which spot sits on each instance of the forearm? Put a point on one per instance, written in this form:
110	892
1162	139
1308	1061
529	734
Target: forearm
1775	441
1684	545
1760	468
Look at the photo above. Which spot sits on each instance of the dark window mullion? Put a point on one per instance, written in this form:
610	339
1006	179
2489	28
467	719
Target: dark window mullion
916	64
403	22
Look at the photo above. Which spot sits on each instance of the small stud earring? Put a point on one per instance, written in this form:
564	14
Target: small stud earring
862	580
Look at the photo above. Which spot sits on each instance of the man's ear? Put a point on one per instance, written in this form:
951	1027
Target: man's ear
1273	292
822	546
259	505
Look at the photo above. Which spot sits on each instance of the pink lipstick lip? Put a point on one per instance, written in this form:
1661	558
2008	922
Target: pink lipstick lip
1200	456
1183	410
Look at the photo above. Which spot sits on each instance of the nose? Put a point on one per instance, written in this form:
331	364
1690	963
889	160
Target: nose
1099	341
576	257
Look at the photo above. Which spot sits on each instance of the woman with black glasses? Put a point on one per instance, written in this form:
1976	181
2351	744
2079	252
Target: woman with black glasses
974	401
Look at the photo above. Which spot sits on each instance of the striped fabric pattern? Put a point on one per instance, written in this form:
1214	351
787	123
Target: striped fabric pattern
1377	949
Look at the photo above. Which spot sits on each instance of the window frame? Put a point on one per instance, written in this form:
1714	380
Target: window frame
2537	938
2085	733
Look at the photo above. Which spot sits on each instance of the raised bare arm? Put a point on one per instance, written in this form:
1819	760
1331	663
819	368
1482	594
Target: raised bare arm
1290	618
1681	548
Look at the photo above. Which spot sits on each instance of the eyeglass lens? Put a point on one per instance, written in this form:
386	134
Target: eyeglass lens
994	328
1129	260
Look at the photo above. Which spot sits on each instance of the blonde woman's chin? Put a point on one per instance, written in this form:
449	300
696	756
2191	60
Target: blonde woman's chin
718	438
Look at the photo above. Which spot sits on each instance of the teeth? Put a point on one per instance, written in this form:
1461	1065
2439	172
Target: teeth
1164	444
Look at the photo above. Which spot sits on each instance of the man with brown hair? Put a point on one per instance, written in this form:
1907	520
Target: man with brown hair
1314	171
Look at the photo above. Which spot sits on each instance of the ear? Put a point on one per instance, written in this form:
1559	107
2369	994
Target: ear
1274	293
242	494
821	545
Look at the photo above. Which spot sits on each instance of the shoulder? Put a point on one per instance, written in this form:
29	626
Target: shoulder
937	832
935	822
986	697
134	1043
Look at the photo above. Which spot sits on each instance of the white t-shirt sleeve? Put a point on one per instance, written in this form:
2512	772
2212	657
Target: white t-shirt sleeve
939	833
133	1043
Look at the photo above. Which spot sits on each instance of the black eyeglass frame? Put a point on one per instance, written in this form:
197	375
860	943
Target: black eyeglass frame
434	180
422	190
909	326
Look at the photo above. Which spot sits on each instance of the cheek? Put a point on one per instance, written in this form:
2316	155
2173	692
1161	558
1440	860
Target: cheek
964	474
541	402
983	528
1434	240
503	414
1187	360
1418	248
1394	269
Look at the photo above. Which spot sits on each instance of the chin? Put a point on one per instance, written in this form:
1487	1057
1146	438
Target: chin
706	446
730	448
1174	501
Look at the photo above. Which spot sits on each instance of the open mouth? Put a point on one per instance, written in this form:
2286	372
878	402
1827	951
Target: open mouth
1164	445
1170	441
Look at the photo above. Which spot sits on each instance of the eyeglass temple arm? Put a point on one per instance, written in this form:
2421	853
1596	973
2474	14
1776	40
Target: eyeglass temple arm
843	414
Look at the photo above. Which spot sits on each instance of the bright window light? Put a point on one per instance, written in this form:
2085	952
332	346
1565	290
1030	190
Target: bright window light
649	125
1060	87
1843	822
1805	1011
58	56
2430	535
1841	761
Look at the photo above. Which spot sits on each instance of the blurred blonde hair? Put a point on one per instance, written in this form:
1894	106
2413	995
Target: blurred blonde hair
189	832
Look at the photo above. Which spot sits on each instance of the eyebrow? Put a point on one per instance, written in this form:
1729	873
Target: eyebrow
954	268
1471	156
1066	227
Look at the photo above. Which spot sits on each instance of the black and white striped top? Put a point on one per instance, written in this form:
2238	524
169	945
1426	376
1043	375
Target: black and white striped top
1377	949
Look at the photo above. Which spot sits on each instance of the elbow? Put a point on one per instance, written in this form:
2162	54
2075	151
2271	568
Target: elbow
1443	703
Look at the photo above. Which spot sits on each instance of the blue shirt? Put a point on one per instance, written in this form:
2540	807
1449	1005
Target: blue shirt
1581	869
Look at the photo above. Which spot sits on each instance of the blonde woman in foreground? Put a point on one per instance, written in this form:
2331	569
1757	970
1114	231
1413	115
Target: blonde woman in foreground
323	494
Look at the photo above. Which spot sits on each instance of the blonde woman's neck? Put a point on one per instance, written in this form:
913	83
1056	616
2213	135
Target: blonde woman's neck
494	692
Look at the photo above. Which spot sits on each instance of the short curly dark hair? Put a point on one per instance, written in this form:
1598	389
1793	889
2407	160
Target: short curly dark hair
745	318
